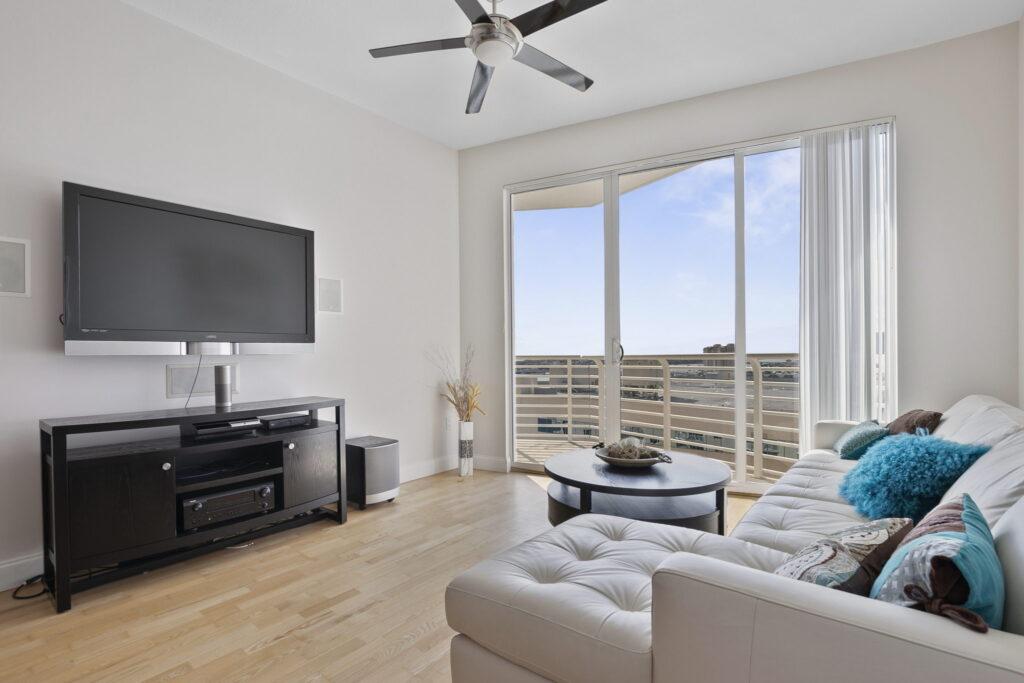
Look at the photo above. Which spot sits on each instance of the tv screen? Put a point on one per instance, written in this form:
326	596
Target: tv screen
138	269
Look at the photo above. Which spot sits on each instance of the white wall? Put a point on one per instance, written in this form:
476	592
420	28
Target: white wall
102	94
1020	198
956	112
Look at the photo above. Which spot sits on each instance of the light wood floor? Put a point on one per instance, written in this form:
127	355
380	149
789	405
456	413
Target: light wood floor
358	602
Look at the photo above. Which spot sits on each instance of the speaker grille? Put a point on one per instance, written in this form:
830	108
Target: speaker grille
14	260
329	295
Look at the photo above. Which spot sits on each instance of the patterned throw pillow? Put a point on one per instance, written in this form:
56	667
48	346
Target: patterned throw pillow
948	566
855	441
906	475
849	560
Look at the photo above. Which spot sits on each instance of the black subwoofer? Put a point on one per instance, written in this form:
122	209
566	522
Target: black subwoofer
372	467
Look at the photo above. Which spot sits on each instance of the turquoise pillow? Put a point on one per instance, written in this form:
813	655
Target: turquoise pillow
906	475
855	441
948	566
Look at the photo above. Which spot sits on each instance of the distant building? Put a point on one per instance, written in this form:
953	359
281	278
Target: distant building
720	348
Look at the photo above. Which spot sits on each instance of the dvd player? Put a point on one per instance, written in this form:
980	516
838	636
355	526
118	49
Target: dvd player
226	427
272	422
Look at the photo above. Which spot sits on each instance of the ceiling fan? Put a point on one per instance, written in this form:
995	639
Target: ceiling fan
496	39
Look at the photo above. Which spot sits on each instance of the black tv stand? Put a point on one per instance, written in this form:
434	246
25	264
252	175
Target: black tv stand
115	510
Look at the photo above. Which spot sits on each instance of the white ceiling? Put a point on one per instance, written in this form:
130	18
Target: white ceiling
640	52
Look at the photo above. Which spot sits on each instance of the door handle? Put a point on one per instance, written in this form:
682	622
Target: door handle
622	352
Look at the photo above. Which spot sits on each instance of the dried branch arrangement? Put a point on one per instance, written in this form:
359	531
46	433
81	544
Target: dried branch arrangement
460	390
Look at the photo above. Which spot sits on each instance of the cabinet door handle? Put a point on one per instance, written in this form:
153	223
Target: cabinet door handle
166	466
291	447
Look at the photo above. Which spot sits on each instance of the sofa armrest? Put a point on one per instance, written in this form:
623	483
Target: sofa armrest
718	622
827	431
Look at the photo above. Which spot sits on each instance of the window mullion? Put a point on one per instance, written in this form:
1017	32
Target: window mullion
740	366
613	331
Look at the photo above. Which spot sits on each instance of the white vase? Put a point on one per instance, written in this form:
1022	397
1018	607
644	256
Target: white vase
465	449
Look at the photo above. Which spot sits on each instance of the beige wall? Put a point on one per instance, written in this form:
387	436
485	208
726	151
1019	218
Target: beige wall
100	93
956	109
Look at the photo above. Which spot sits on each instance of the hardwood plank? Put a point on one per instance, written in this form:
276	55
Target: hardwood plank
358	602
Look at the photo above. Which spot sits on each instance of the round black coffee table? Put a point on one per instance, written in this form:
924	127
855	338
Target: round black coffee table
689	491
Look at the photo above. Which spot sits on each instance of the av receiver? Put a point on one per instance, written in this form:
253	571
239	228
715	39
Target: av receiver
213	508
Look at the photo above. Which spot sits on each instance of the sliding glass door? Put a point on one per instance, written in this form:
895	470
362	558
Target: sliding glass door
559	302
638	297
772	300
677	306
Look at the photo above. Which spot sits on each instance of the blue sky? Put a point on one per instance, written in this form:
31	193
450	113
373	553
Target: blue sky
676	264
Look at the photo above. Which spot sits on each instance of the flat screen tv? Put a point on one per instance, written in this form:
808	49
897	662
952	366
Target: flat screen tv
142	270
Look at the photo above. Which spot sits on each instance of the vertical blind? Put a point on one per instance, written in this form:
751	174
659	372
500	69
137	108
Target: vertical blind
847	276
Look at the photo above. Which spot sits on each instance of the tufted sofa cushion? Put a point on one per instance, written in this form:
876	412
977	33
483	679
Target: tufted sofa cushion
959	413
574	603
980	419
988	426
996	480
802	507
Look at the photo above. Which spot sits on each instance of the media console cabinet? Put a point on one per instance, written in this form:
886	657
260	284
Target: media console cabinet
111	511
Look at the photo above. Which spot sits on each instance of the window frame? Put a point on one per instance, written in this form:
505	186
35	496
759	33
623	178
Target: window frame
609	175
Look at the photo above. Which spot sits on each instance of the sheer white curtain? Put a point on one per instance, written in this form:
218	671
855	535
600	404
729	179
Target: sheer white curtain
847	276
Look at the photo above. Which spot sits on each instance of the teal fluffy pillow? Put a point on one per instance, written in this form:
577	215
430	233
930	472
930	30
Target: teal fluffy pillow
855	441
906	475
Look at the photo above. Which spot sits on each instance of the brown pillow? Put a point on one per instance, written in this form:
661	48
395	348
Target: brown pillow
910	422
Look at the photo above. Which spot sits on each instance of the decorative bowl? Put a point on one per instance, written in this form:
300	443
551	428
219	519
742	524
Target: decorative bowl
602	453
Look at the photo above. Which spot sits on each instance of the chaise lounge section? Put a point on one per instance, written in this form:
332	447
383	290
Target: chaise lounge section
607	599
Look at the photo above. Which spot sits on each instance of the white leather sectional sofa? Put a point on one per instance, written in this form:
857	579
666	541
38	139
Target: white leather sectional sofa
607	599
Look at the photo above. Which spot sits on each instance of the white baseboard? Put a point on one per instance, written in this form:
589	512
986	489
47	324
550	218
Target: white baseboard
490	463
13	572
426	468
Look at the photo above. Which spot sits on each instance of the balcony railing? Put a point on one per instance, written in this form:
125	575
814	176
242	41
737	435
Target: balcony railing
682	402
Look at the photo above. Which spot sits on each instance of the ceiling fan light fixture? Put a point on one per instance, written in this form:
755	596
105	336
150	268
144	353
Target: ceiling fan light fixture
495	51
495	43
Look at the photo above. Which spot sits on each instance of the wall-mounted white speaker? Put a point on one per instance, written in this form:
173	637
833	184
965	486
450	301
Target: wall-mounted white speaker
329	295
15	256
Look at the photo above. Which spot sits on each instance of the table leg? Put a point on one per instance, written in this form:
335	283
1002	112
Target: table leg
720	506
585	500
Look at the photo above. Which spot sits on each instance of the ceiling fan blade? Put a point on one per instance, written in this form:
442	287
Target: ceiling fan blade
552	12
425	46
477	91
474	11
545	63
